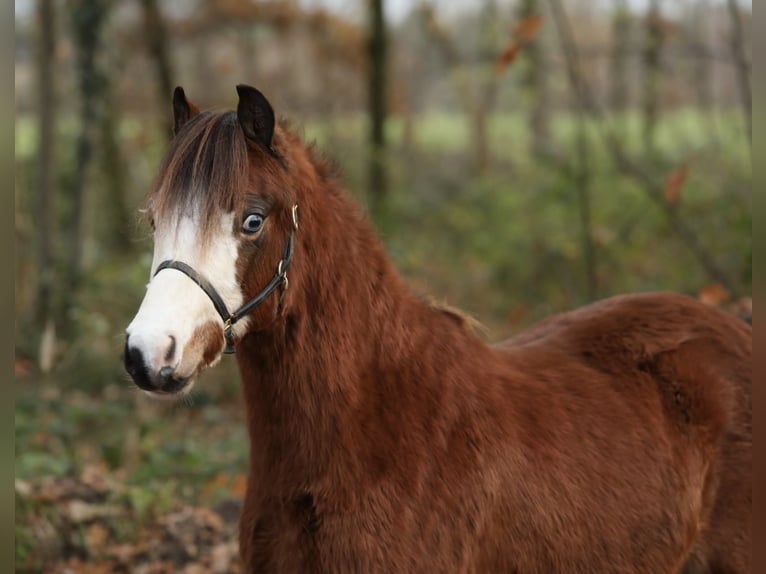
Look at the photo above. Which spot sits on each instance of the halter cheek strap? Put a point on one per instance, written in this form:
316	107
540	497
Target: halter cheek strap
229	319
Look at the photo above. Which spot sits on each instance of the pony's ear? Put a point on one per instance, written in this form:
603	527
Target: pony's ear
255	116
183	109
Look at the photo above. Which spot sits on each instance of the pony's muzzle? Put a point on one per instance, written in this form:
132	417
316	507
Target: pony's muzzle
161	381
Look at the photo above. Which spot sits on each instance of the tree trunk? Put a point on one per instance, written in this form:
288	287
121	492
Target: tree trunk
474	101
743	67
377	106
113	167
698	39
484	104
87	20
45	196
156	33
578	86
536	77
584	202
618	88
652	74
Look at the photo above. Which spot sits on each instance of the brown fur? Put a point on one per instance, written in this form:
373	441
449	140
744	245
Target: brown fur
207	342
387	437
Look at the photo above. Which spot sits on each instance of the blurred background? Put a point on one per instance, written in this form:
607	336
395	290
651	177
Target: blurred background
519	158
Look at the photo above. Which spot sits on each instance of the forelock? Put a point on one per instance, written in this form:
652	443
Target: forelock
203	171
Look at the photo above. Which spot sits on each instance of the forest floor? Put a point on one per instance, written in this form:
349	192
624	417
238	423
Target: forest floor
114	482
88	524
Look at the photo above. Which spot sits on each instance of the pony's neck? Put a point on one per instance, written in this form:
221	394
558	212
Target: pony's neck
343	300
314	381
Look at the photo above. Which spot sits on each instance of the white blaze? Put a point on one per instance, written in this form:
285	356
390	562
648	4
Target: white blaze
174	305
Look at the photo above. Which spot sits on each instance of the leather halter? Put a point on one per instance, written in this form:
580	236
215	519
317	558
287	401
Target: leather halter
229	319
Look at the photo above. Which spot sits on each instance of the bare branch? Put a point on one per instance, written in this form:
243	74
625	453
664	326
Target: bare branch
743	66
582	177
377	48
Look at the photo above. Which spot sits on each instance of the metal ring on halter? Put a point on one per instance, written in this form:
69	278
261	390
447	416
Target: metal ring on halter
228	337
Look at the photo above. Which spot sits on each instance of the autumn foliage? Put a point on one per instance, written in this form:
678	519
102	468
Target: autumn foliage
524	32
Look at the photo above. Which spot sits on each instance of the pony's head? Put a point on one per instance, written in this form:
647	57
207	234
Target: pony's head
224	212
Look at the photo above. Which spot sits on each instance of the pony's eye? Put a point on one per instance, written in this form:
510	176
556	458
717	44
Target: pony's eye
252	223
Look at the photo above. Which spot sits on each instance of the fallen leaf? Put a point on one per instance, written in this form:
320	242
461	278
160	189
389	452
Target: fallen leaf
239	486
507	57
23	489
713	294
96	536
123	552
223	482
526	30
222	555
674	184
79	511
22	367
95	476
76	566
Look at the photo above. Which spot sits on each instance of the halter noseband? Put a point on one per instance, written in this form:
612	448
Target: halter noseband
229	319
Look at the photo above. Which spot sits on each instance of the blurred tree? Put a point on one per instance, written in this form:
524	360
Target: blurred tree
536	80
653	45
743	67
484	105
619	61
87	19
581	169
478	97
655	190
703	59
156	35
377	48
45	197
113	225
156	32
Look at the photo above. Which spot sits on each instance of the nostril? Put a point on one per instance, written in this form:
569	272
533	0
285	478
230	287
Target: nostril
166	373
135	366
128	357
134	360
171	350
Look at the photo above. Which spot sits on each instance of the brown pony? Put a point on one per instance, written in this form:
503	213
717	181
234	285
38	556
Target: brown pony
384	435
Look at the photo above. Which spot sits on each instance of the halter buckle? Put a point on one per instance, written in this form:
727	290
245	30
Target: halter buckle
295	216
228	337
